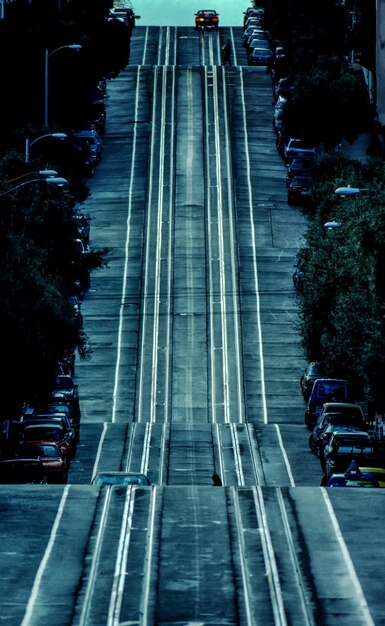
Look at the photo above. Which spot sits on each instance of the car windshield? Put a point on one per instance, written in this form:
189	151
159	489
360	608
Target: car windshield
38	451
41	434
120	479
327	390
355	449
63	383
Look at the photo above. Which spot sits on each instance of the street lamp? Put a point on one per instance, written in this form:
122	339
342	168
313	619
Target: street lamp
60	182
349	191
332	225
46	173
29	144
48	55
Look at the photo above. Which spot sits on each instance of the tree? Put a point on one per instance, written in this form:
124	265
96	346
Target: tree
342	295
37	266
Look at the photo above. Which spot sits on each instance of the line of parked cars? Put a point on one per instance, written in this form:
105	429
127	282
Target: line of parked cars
350	450
38	447
256	40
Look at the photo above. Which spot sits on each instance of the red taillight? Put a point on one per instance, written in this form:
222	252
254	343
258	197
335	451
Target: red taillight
215	19
200	19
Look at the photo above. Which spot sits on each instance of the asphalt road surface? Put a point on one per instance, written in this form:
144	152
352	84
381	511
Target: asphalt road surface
195	369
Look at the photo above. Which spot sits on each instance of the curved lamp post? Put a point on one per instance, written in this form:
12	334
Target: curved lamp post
332	225
349	191
60	182
46	173
48	55
29	144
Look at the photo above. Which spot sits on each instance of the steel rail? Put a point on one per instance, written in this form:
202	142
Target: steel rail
305	601
156	255
272	575
95	561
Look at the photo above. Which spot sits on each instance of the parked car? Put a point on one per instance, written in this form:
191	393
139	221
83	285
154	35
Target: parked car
257	42
67	363
343	408
344	447
65	385
299	167
56	414
298	192
325	390
282	88
328	431
22	471
255	20
297	148
310	373
82	226
91	138
253	12
321	433
353	477
77	315
378	472
47	432
250	30
207	18
260	56
55	465
120	478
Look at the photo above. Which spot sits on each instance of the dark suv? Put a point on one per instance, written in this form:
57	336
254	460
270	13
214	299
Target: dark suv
325	390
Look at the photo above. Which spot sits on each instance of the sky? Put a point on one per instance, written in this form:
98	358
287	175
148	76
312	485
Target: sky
181	12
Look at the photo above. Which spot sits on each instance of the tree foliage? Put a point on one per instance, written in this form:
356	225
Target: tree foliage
342	293
38	266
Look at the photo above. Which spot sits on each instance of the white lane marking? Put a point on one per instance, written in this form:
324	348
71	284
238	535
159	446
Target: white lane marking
170	258
145	47
254	248
160	45
237	455
158	251
210	253
359	594
99	450
233	256
27	619
148	254
285	457
126	247
234	53
222	271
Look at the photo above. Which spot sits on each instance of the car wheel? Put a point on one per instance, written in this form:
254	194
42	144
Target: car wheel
90	170
311	443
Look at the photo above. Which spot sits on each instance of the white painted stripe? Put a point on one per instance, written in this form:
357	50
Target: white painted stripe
285	457
126	248
359	594
28	616
254	248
